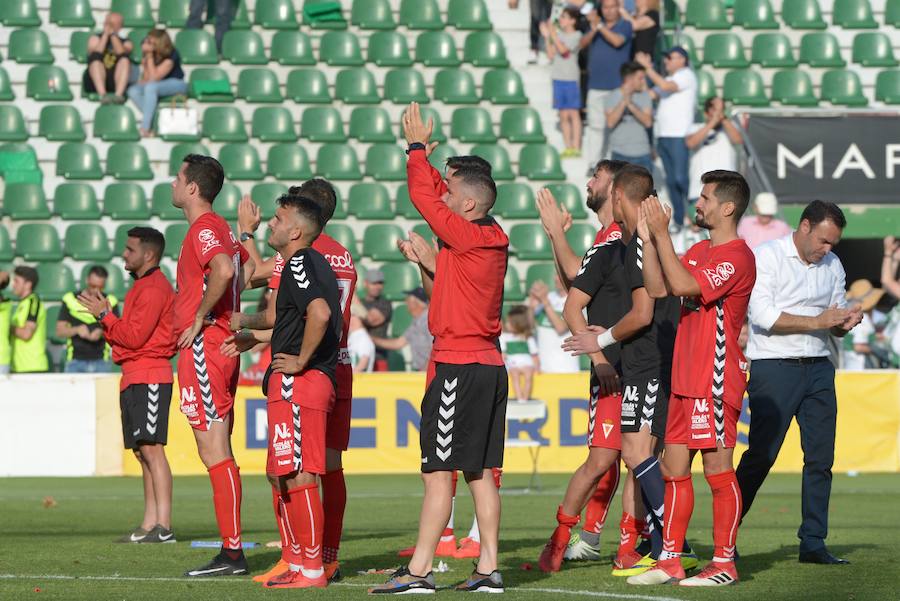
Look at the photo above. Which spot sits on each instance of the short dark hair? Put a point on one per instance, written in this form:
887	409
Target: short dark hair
573	12
611	166
629	68
818	211
635	181
709	102
730	187
151	238
470	162
476	178
99	271
321	192
206	172
29	274
307	208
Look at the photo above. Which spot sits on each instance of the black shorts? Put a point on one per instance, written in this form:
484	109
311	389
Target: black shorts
145	414
464	418
645	403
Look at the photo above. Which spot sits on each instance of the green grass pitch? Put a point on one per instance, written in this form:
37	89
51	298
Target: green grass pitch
65	552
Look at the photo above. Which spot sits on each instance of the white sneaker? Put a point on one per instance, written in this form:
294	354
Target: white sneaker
578	550
654	576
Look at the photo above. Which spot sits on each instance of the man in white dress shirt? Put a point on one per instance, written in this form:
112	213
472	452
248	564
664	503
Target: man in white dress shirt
797	303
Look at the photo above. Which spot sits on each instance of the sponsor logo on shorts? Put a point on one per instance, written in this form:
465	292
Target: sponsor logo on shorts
208	239
189	404
282	445
700	420
719	274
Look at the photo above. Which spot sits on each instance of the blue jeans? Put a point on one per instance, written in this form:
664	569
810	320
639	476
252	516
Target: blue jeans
645	161
146	96
88	366
676	159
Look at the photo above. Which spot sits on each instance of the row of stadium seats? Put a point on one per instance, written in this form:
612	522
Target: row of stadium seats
269	14
796	14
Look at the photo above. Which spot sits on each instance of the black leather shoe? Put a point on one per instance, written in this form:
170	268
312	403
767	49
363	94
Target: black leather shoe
821	556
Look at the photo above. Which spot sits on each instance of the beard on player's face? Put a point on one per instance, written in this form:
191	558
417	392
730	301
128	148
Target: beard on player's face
596	200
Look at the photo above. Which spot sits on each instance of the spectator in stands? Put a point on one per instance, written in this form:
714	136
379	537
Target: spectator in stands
540	13
28	330
645	23
109	62
550	328
609	40
677	94
360	346
225	11
763	226
161	75
5	320
86	349
857	350
416	335
562	47
378	314
520	352
629	113
712	145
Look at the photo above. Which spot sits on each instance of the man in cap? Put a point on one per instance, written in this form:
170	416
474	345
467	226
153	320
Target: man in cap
763	226
416	335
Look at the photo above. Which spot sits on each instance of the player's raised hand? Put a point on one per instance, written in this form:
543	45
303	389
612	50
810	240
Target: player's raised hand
94	302
552	218
249	215
414	129
426	252
643	230
583	343
657	217
406	249
282	363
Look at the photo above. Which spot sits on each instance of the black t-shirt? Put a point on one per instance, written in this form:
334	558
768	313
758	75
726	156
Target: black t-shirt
648	354
307	276
602	277
645	40
86	350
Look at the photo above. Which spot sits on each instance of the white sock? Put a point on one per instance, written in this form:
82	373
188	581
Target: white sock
294	567
473	532
452	511
312	573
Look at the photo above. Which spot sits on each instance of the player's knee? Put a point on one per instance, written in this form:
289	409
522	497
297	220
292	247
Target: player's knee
597	464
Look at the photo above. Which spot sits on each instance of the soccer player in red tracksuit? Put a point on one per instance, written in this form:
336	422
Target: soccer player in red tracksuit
143	341
709	372
464	408
212	269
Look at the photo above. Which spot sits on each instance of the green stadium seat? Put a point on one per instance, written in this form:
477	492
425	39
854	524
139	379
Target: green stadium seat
503	86
468	14
802	14
371	124
744	87
227	201
424	230
529	242
570	196
356	86
340	207
398	278
331	20
75	201
12	124
436	49
87	242
223	124
420	14
19	13
672	15
853	14
754	14
25	201
887	87
337	162
135	13
485	49
259	85
540	162
55	280
892	13
47	82
455	86
439	156
181	150
196	47
273	124
706	86
581	237
340	49
123	200
210	74
512	285
115	282
472	124
873	49
521	125
78	46
6	248
137	37
370	201
276	14
30	46
515	201
793	87
288	162
388	49
173	13
292	48
540	272
72	13
386	162
344	235
820	50
240	161
128	160
843	87
38	242
161	203
772	50
706	14
405	206
380	243
724	50
307	86
121	236
241	18
115	123
243	48
175	234
437	132
77	160
402	86
6	91
372	14
496	155
400	321
322	124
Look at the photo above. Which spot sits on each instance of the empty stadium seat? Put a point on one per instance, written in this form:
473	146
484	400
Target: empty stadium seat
175	234
581	237
853	14
424	230
288	162
259	85
12	124
322	124
496	155
56	280
420	14
308	86
512	285
72	13
485	49
887	87
802	14
842	87
529	242
745	87
136	36
386	162
772	50
210	74
125	201
402	86
356	86
793	87
240	161
337	162
439	156
243	48
6	248
78	46
371	124
224	124
515	201
135	13
521	124
324	20
472	124
400	321
398	278
821	50
503	86
380	243
47	82
173	13
706	14
178	151
405	206
241	18
570	196
468	14
706	86
276	14
38	242
76	160
540	272
196	47
273	124
128	160
340	49
724	50
428	114
6	91
292	48
436	49
388	49
115	123
19	13
74	201
87	242
540	162
161	203
873	49
30	46
754	14
455	86
372	14
892	13
25	201
370	201
228	199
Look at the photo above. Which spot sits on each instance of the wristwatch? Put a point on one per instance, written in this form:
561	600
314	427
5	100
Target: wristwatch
103	314
415	146
247	236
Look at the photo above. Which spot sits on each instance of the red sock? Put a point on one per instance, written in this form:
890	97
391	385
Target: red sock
598	505
678	509
726	513
282	525
629	530
497	472
226	484
334	501
566	523
304	511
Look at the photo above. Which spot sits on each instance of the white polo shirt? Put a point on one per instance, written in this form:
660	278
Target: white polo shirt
675	113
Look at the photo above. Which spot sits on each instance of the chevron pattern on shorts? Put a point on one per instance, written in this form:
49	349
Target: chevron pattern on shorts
718	386
446	411
650	403
299	272
592	411
287	387
209	406
298	447
152	407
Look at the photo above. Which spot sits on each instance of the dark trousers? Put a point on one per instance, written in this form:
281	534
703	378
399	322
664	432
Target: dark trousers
225	11
780	390
676	159
540	12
